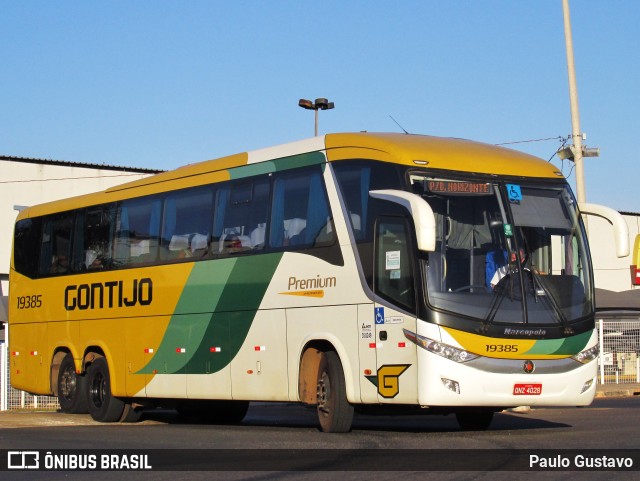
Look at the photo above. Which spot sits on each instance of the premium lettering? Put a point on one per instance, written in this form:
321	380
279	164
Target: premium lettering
312	283
100	295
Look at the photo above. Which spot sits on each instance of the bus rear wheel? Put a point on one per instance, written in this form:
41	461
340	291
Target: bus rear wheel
334	411
103	406
72	388
474	420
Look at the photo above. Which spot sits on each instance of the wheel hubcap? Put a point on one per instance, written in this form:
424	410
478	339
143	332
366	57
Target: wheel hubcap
323	393
97	390
68	383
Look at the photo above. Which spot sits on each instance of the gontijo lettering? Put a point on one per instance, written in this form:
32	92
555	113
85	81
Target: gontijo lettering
99	295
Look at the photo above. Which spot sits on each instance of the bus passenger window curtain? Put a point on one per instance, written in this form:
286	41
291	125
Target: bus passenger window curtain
169	219
221	208
317	210
122	248
154	221
365	180
276	232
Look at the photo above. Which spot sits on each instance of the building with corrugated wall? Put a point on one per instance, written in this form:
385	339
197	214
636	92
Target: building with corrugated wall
25	182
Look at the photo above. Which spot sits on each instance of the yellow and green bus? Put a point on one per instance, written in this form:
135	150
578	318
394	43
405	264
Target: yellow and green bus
347	271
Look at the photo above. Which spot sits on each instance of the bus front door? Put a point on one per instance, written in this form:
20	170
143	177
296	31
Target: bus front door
396	356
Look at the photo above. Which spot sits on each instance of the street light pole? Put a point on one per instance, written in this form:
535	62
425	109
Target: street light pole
319	104
575	114
315	130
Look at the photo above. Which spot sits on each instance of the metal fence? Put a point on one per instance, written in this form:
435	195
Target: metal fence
619	363
619	360
13	399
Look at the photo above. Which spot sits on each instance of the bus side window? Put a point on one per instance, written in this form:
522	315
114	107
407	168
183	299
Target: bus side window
300	215
137	234
240	217
96	225
26	244
55	248
187	223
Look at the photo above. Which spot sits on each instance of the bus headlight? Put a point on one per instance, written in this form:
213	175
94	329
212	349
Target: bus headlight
441	349
588	355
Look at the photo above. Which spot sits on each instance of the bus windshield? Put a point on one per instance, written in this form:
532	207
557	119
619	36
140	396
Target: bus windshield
506	253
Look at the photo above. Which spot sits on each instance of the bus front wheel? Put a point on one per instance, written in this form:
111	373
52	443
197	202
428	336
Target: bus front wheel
72	390
103	406
334	411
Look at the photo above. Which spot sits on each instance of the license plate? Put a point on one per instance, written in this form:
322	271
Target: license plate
527	389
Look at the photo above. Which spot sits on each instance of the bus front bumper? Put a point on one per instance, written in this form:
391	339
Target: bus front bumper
443	382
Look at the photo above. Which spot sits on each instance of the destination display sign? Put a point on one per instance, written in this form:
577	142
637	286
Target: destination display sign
449	187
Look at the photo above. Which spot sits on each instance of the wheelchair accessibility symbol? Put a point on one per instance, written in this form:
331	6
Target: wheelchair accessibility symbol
514	193
379	311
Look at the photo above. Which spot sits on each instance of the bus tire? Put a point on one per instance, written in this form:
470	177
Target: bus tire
72	388
474	420
130	414
103	406
334	411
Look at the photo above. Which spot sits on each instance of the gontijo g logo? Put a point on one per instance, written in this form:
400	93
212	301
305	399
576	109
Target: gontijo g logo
387	379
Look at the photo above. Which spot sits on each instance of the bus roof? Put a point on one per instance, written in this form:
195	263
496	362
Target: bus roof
438	153
407	149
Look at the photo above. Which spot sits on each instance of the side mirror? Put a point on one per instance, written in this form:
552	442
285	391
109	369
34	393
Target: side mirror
620	228
420	211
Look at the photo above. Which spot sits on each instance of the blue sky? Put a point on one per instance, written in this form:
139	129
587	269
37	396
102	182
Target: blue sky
160	84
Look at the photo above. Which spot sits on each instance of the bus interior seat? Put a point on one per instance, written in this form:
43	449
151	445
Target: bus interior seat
178	247
293	227
199	245
233	240
257	236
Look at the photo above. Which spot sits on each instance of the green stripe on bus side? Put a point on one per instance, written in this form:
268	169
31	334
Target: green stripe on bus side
574	344
205	286
569	346
545	346
215	310
302	160
234	314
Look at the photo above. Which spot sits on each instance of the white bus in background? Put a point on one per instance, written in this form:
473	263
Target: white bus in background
617	279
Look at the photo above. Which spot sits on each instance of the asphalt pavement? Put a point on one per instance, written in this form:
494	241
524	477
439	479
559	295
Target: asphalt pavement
30	418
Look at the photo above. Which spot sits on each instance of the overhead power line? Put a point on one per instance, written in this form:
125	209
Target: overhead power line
559	138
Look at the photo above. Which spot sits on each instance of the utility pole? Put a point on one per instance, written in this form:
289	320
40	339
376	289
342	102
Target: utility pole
576	134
